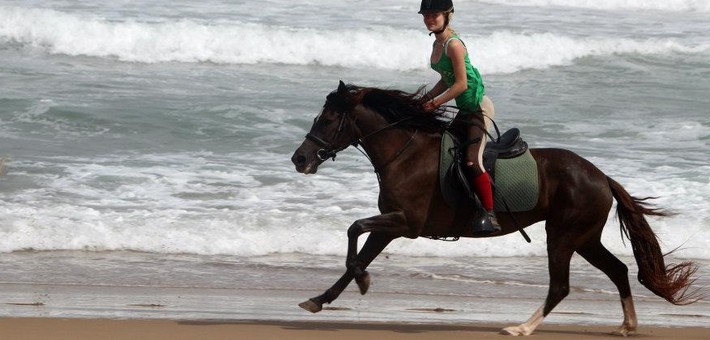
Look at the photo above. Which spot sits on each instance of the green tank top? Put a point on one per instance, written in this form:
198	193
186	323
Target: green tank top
470	99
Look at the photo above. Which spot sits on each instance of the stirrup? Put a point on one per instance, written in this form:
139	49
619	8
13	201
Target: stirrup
486	224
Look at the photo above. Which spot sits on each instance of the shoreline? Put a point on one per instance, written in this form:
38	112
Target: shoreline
446	291
33	328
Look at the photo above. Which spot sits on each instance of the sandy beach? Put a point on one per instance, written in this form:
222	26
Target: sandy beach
84	329
123	295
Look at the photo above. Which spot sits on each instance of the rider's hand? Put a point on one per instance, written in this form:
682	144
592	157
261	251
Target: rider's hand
431	105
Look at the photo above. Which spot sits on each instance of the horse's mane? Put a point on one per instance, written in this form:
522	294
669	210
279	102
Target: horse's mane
399	106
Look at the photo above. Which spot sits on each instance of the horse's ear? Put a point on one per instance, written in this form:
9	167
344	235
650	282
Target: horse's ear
342	88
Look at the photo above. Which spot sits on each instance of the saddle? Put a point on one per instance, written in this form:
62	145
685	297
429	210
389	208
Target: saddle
509	163
509	145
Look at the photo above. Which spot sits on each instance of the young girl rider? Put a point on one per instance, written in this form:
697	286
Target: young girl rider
462	82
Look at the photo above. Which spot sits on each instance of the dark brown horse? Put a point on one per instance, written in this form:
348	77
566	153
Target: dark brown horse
402	142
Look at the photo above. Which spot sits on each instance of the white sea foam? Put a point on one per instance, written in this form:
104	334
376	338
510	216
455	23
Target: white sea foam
661	5
196	204
191	41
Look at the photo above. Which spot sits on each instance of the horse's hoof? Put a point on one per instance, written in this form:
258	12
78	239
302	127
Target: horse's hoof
622	331
514	331
363	282
311	306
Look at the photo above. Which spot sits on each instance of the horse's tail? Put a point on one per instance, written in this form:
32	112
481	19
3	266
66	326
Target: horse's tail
669	282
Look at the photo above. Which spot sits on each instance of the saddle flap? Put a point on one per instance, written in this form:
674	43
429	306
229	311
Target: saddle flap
450	172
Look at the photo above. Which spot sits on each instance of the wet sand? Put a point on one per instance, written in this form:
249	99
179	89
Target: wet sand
85	329
121	295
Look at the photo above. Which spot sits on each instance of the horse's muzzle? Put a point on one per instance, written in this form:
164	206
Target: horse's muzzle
306	162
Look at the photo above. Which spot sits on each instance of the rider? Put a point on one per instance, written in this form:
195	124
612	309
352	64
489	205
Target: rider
462	82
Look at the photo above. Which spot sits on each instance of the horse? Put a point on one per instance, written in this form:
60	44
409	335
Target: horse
402	141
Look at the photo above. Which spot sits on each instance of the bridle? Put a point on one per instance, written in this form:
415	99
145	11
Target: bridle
328	150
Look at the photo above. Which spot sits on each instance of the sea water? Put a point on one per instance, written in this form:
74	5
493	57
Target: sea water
167	127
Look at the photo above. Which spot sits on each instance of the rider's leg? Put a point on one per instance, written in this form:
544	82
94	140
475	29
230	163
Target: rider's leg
480	180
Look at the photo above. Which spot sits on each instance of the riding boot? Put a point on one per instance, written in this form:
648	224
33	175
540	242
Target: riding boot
486	223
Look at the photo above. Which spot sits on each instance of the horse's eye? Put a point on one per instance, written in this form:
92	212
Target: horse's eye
329	116
328	120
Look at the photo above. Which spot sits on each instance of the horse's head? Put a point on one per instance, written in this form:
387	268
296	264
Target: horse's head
332	131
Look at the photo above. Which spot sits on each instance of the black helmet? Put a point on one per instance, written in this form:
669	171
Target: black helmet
436	6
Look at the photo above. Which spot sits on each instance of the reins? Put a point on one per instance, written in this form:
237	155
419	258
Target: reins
399	153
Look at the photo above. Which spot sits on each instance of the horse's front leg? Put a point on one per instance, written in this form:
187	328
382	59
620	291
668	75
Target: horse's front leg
392	224
383	229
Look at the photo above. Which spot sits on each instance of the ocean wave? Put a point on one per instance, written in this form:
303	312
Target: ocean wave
258	231
190	41
660	5
255	204
507	52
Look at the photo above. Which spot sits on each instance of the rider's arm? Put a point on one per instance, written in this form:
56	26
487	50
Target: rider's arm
438	89
457	52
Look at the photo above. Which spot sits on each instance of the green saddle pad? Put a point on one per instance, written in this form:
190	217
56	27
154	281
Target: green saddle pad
517	183
516	179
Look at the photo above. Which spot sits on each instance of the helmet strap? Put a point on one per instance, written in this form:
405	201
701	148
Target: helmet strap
438	32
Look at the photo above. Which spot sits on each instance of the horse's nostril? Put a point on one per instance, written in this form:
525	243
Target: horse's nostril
298	159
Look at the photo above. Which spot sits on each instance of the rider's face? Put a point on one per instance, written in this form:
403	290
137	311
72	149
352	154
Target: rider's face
433	21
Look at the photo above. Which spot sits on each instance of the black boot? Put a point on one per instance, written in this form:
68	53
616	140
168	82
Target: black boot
486	224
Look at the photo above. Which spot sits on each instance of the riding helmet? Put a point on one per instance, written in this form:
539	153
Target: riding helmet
436	6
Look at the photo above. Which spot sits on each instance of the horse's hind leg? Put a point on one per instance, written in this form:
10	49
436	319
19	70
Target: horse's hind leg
559	255
374	245
596	254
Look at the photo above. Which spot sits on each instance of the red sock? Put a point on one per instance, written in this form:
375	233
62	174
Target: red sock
482	186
